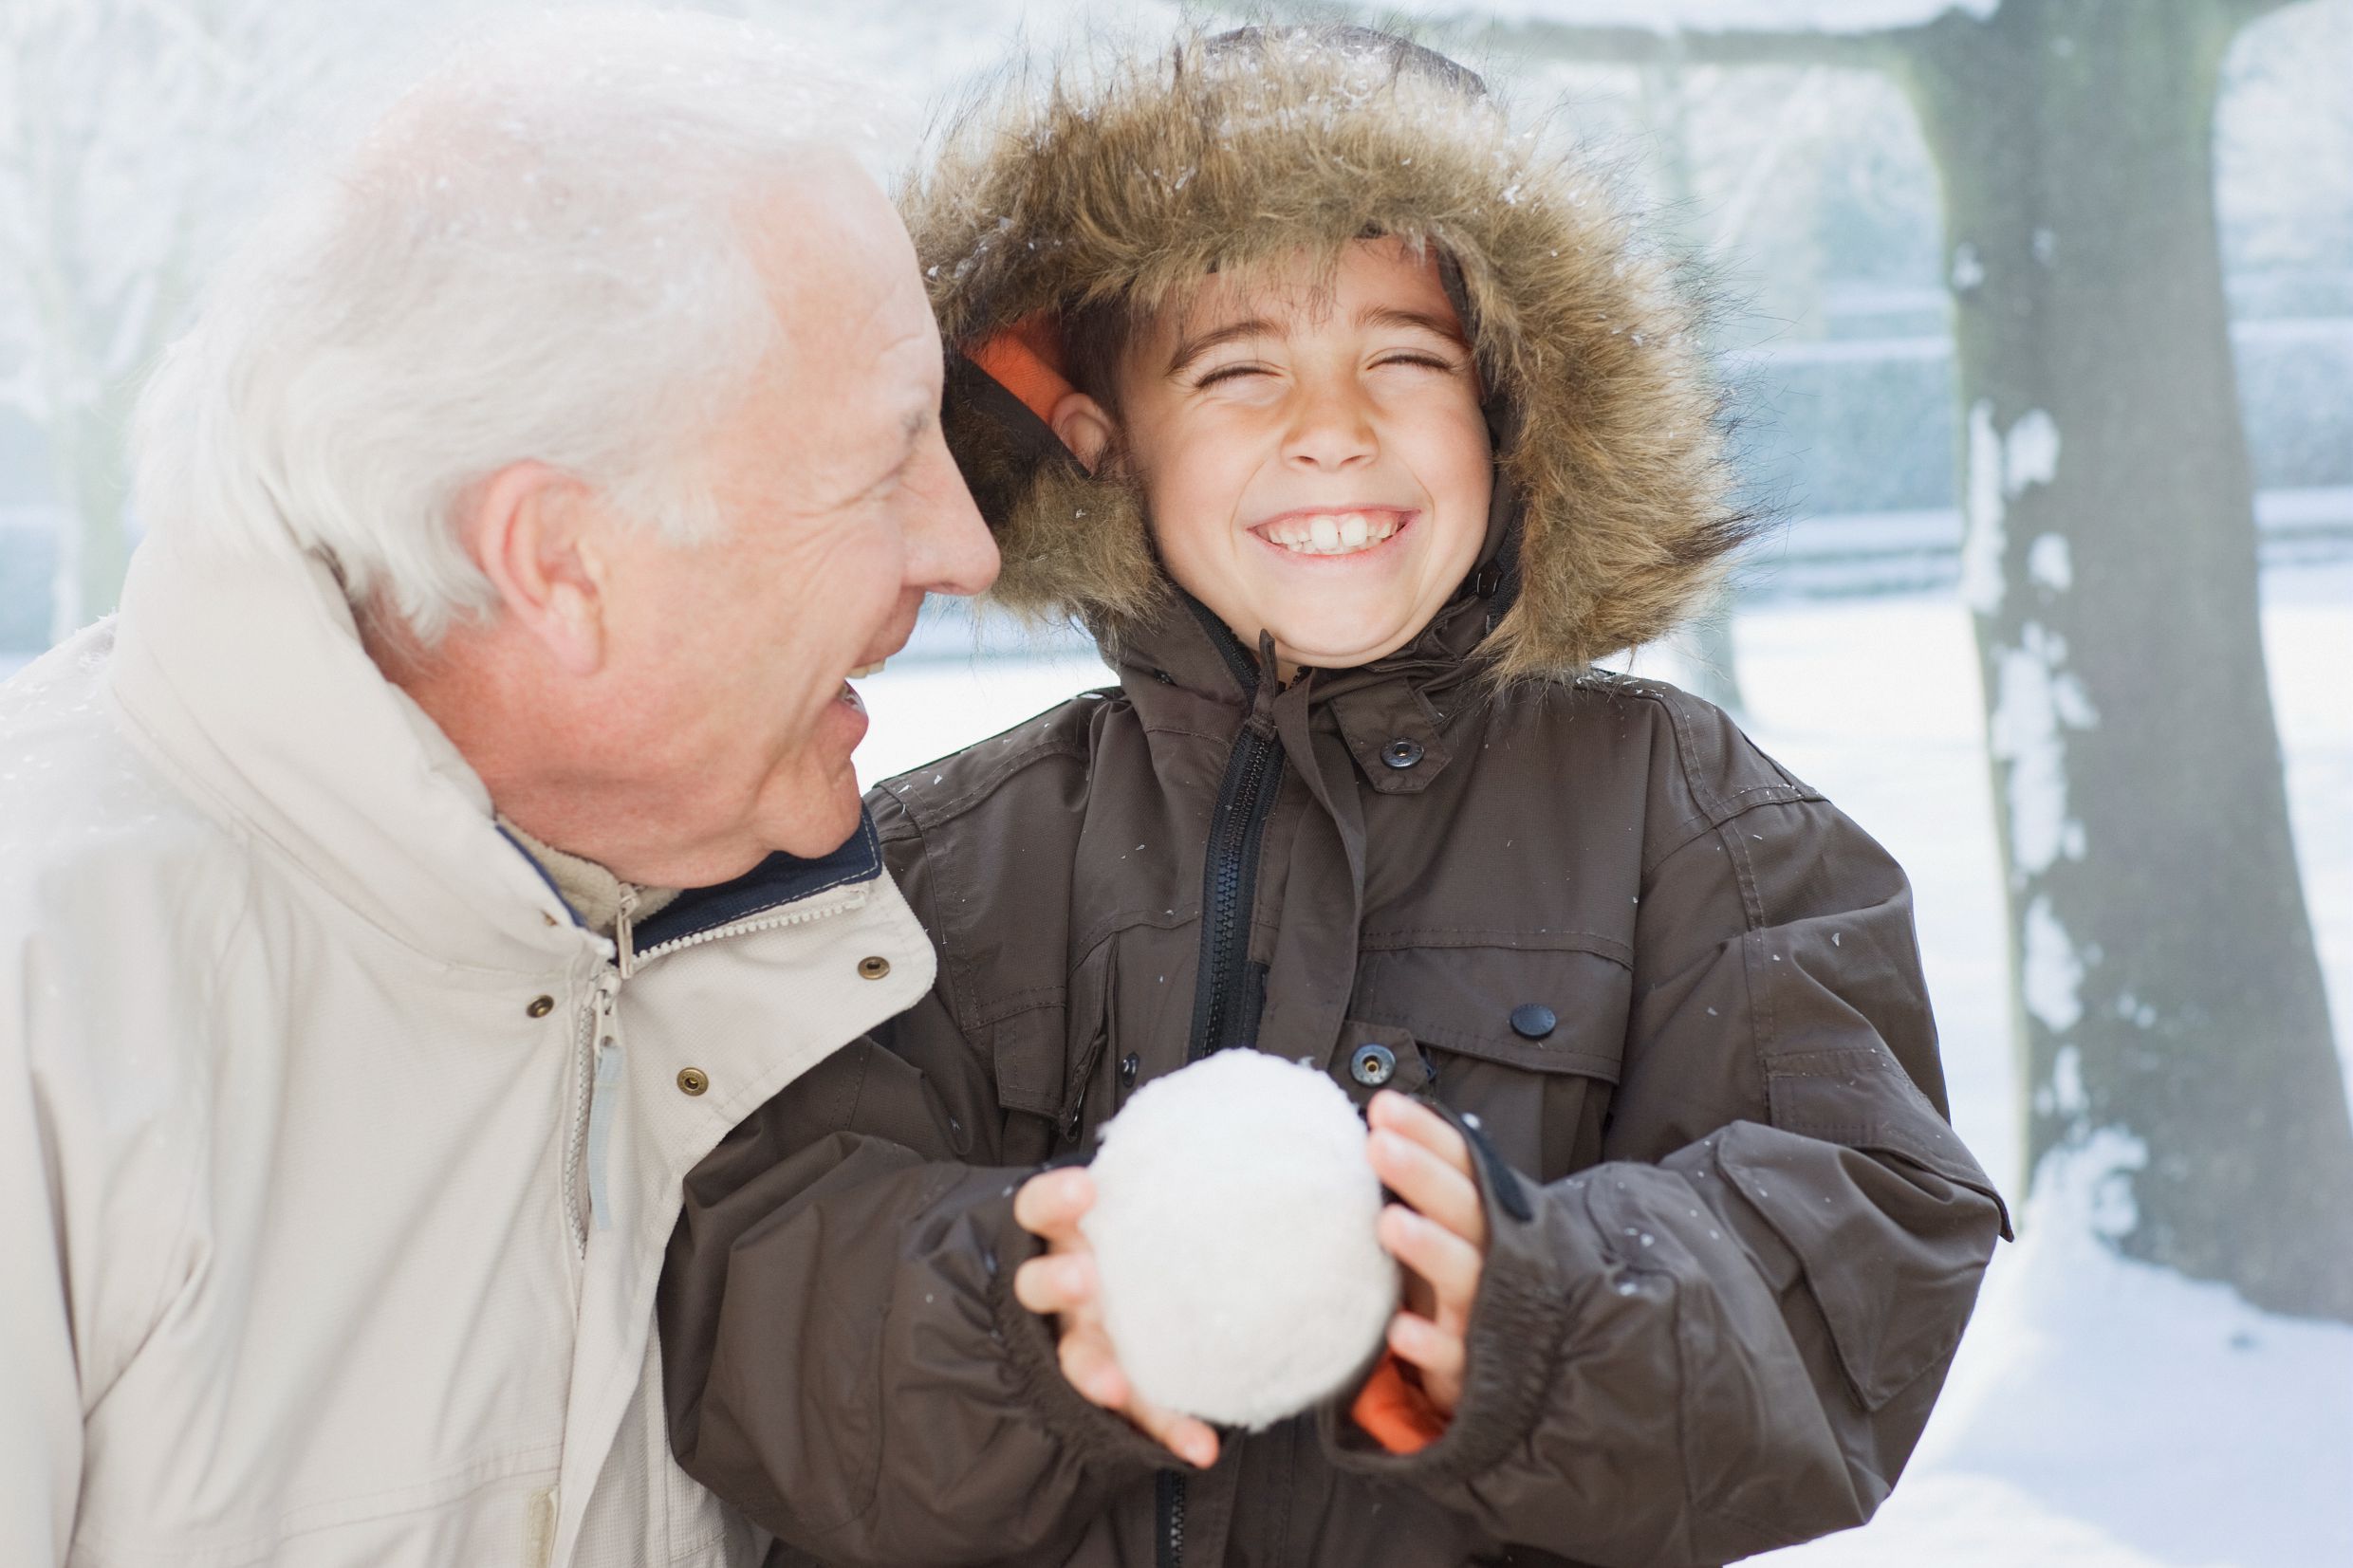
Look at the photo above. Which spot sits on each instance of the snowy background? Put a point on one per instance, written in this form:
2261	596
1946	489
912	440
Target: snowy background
2103	1411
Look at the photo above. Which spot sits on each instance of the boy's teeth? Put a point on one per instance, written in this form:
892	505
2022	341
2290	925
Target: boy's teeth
1332	533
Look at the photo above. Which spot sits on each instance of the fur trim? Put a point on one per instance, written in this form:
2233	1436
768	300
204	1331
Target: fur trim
1217	156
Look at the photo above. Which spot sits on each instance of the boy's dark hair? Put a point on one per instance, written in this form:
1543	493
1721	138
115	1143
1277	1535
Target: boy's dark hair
1094	334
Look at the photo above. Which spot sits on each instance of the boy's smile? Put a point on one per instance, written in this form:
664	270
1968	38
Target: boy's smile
1312	454
1333	532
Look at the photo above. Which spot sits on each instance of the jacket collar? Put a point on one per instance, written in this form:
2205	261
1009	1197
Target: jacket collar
1400	701
243	674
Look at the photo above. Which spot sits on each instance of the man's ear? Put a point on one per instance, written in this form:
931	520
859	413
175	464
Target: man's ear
1085	428
529	528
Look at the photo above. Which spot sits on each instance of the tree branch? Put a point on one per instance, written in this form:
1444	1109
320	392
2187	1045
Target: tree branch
2243	11
1621	46
1644	46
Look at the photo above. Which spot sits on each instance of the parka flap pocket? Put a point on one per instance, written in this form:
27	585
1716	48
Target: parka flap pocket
1862	1097
1027	1055
1885	1208
1555	1008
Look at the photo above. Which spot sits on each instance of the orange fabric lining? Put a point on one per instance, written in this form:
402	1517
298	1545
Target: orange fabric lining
1395	1410
1026	360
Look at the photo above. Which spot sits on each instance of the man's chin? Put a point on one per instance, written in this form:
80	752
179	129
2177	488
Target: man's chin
819	819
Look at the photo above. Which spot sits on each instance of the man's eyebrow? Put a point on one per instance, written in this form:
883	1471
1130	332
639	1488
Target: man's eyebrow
1442	326
1190	349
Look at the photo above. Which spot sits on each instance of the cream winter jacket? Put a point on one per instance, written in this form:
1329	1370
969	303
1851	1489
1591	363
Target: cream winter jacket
337	1158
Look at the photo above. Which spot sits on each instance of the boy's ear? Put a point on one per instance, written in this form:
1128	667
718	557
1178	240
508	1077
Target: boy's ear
1083	427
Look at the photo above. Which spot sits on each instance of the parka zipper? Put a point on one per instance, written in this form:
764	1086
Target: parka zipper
1228	887
1170	1552
590	1077
594	1073
1224	1005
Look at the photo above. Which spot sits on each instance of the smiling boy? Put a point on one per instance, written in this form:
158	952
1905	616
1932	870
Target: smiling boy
1355	427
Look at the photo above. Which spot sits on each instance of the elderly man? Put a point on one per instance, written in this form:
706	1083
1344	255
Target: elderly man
518	511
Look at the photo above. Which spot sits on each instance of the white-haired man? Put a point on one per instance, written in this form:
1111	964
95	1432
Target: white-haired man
518	511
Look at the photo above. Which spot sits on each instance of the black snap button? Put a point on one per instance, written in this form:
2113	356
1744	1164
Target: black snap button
1533	1020
1372	1065
1127	1071
1163	678
1401	752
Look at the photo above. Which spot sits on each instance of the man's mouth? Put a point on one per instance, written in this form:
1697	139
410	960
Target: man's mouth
865	670
1349	532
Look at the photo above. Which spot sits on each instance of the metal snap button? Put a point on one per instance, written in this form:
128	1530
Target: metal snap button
1533	1020
541	1007
872	969
1372	1065
1128	1065
693	1080
1401	752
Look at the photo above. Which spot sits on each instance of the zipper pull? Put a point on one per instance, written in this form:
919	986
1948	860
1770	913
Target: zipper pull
605	1064
625	930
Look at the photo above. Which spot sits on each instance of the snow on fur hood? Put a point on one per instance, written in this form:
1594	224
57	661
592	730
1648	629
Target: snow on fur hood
1231	150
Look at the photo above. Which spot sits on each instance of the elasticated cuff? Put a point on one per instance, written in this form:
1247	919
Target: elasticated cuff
1516	1326
1103	1443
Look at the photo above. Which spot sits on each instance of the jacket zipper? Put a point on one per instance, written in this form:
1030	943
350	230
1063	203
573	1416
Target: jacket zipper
598	1027
1170	1552
595	1028
1221	996
1228	887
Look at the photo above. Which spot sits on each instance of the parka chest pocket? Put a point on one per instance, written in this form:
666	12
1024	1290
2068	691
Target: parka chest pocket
1530	1040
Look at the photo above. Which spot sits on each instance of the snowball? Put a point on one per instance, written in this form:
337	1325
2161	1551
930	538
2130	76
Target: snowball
1232	1231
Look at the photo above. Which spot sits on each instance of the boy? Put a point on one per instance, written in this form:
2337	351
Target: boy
1355	429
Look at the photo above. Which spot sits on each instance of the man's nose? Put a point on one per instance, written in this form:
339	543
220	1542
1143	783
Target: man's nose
1330	427
950	548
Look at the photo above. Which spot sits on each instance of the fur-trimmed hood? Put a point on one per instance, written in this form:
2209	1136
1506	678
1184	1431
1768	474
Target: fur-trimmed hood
1230	151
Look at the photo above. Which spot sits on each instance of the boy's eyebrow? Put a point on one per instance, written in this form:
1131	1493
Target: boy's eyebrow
1442	326
1190	349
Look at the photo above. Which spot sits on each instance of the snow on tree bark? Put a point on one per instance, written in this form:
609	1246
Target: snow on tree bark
2166	990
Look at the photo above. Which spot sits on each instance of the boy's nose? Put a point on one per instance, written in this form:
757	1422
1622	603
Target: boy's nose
1330	430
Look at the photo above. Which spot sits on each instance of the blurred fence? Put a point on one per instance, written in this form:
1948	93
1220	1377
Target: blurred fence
1849	439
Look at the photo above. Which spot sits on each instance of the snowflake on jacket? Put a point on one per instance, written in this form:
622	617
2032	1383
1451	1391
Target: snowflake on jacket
1733	1240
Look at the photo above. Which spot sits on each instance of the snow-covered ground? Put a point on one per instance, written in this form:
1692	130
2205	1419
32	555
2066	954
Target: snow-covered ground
2103	1413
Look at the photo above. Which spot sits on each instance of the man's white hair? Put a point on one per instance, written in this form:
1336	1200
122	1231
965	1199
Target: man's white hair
540	253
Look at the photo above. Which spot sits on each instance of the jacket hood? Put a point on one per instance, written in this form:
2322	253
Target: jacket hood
1234	150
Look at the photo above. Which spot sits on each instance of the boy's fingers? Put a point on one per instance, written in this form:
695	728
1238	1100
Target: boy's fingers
1056	1283
1449	1262
1093	1369
1187	1438
1429	1184
1416	1121
1087	1362
1439	1354
1050	1205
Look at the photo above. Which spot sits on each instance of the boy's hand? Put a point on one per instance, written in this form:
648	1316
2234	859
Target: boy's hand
1438	1233
1062	1284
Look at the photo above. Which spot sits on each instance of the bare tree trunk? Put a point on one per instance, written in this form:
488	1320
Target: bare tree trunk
2167	983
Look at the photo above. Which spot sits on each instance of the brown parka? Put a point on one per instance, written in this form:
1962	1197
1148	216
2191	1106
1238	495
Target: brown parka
1674	992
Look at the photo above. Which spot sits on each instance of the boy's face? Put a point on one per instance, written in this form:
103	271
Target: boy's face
1314	463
